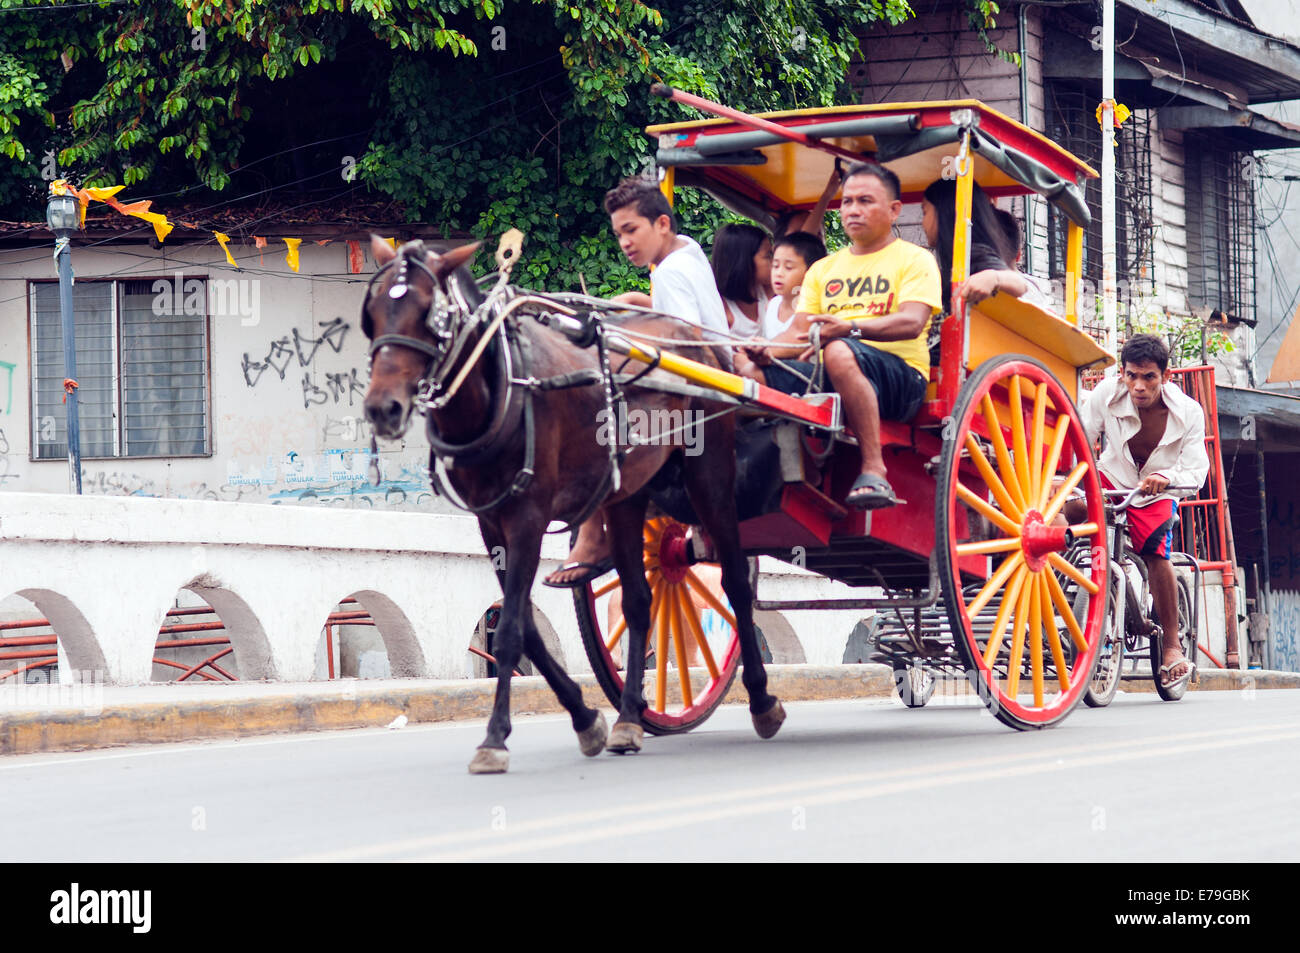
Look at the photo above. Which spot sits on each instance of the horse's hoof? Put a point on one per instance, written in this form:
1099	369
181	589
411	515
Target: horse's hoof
591	740
490	761
625	738
769	723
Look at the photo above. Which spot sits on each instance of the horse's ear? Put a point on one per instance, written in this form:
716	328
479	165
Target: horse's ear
450	261
382	251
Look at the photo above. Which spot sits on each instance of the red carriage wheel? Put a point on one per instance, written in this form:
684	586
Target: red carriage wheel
1016	452
690	673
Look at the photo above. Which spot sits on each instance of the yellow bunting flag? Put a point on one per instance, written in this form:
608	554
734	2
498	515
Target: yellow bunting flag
222	240
392	243
161	227
1122	112
292	255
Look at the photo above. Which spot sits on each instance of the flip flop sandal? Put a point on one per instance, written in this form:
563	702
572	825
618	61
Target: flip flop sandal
596	570
878	493
1181	680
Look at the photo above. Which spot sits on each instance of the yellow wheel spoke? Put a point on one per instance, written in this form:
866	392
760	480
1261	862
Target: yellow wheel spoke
1053	459
1059	499
996	582
661	649
1000	450
1036	443
1053	635
698	585
693	623
1018	639
1067	614
679	643
992	481
1016	406
607	588
982	506
988	546
1058	563
1036	637
1085	529
1009	600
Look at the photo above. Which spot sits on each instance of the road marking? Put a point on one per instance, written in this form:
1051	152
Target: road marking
661	814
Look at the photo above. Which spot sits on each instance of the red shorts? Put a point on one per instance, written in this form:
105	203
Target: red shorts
1151	525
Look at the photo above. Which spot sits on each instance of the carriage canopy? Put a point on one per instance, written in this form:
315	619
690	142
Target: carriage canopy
758	173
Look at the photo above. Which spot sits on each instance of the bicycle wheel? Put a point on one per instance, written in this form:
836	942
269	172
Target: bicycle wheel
1186	638
1110	662
915	684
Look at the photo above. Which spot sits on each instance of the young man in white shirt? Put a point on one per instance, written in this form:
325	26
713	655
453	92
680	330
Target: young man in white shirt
1154	439
682	285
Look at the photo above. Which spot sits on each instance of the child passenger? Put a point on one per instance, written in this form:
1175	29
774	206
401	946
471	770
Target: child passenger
791	256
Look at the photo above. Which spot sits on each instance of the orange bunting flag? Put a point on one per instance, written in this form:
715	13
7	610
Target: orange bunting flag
292	255
356	261
223	241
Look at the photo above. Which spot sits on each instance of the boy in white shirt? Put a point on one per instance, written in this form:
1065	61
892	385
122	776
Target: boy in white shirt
681	285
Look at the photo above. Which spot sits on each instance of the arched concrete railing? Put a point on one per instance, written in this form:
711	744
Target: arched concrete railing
104	570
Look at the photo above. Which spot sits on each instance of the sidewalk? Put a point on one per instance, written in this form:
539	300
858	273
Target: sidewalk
39	718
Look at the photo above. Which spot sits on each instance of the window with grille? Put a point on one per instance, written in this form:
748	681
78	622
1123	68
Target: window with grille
1220	229
142	370
1072	122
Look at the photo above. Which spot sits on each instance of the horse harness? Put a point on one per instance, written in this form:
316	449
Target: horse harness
513	360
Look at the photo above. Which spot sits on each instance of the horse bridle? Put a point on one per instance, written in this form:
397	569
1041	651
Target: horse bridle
450	338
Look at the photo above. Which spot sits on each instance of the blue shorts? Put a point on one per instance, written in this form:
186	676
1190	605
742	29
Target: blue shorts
900	388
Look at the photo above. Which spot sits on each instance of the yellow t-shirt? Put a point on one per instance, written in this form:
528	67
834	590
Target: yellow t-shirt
860	287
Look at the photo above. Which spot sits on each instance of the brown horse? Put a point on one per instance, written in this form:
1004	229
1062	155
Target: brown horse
519	433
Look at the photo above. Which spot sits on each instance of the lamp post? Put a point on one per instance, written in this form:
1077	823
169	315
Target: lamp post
61	216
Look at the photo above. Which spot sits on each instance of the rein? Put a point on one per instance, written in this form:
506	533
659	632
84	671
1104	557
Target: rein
513	404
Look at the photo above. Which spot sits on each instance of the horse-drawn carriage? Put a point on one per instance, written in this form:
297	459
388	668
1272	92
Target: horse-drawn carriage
970	571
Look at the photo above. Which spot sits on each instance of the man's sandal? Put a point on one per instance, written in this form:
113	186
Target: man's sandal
1181	680
870	492
594	571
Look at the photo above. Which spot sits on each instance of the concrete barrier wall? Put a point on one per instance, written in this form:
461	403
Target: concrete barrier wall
105	571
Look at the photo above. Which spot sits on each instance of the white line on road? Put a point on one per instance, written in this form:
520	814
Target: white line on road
661	814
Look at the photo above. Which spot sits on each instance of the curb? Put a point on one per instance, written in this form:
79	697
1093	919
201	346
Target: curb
139	717
260	708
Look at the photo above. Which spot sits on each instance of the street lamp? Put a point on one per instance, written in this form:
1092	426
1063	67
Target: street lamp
61	215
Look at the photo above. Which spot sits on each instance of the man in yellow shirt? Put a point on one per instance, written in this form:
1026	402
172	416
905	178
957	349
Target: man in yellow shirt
873	302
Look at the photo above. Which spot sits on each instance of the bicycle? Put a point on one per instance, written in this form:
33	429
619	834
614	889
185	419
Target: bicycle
1126	630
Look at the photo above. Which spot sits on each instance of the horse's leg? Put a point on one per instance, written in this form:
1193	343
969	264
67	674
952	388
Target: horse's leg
710	482
625	522
522	539
589	723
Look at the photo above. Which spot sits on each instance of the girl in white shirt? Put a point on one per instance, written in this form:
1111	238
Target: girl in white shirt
742	265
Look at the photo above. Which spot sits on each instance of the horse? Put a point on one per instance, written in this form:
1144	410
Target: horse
513	410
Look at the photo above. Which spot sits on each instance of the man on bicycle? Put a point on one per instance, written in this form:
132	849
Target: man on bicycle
1152	436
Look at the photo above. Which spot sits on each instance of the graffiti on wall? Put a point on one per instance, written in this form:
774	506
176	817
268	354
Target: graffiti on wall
7	386
281	352
1284	630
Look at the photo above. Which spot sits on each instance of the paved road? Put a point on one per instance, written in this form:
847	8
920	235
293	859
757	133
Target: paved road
1213	777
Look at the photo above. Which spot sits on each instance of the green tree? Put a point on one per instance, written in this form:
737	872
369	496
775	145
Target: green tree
478	114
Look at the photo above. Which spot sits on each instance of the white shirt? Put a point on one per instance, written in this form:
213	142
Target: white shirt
772	325
683	285
1180	455
743	326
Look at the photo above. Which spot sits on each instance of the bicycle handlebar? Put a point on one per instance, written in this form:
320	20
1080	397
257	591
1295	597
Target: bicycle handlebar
1130	495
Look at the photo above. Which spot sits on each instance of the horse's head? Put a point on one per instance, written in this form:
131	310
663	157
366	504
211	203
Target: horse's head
416	304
